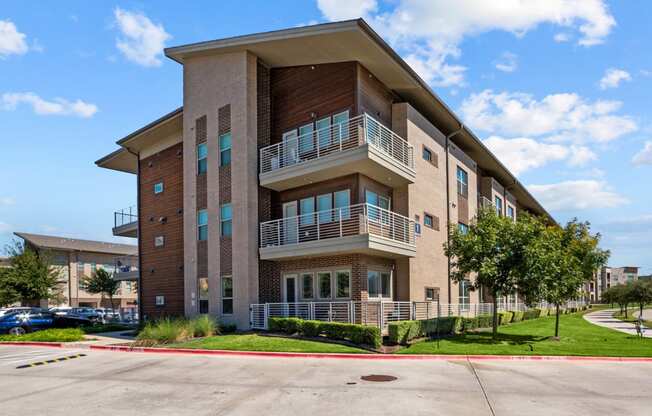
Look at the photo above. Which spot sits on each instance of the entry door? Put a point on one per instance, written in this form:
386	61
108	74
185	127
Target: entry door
290	288
290	223
291	148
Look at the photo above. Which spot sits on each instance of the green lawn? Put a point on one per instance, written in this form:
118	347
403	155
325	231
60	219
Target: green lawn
48	335
578	337
253	342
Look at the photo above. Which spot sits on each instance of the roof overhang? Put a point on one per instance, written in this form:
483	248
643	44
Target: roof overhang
355	40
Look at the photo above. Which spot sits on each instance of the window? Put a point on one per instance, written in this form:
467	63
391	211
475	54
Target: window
343	284
306	138
499	205
324	206
160	300
379	201
159	241
432	293
158	187
324	282
323	132
343	201
426	154
202	152
225	149
462	182
202	225
463	298
307	207
463	228
428	221
227	295
226	220
203	295
417	225
510	212
379	284
93	269
307	290
341	126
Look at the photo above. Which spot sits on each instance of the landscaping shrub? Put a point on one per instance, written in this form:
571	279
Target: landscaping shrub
285	325
227	328
110	327
531	314
505	317
469	324
164	331
48	335
518	316
543	313
357	334
403	331
203	326
485	321
311	328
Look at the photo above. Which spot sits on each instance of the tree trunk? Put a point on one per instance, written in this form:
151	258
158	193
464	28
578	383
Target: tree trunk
494	325
111	301
640	313
557	321
626	305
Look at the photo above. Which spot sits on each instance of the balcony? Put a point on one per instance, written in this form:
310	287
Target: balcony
125	222
358	145
126	268
361	228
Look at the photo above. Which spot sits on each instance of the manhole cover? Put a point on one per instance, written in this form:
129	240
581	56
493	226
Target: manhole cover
378	377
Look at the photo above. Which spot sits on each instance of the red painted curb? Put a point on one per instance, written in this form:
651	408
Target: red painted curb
369	356
34	344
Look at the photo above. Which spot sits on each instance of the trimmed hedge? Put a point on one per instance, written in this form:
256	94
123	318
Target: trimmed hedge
403	331
543	313
505	317
518	316
531	314
357	334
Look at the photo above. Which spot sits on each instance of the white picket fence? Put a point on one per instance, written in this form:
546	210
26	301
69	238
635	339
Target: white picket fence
379	313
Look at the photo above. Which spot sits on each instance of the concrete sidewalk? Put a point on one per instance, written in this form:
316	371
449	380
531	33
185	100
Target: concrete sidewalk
606	319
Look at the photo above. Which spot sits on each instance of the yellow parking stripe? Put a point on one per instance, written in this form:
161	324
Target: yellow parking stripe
54	360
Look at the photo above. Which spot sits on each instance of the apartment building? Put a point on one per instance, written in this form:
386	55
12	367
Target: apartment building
75	258
307	164
606	277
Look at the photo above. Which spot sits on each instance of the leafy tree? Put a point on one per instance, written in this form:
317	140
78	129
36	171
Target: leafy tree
640	292
102	282
493	249
608	296
30	278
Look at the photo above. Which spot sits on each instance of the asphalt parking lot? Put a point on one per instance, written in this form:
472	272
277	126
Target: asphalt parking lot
118	383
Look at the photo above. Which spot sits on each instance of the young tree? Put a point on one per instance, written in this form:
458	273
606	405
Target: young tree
8	294
640	292
493	248
102	282
31	276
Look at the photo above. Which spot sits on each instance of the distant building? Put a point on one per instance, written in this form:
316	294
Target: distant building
607	277
77	258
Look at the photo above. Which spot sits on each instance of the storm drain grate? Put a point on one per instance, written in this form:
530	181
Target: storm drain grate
378	378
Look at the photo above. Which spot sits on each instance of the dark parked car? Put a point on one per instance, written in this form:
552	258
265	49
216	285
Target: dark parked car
21	322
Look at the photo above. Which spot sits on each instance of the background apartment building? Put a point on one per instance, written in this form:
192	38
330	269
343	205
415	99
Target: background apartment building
305	164
606	277
75	258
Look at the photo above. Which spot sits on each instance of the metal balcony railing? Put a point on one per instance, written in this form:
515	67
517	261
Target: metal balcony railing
126	264
347	135
339	222
125	216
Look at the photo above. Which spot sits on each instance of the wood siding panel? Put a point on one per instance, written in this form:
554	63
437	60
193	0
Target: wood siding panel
374	97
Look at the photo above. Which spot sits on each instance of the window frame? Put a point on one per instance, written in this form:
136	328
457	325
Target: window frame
225	149
202	167
330	284
325	217
498	204
432	220
510	212
157	238
223	297
464	292
425	151
224	220
463	228
202	225
311	276
381	295
156	187
462	182
307	218
159	300
336	281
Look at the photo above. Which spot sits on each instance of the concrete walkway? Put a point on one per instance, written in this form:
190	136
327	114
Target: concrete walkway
647	314
606	319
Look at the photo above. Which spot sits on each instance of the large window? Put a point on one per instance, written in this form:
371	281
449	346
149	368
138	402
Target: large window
463	294
307	289
158	187
341	126
202	225
226	218
307	207
510	212
462	182
225	149
323	132
499	205
324	283
227	295
324	206
306	138
342	202
202	152
203	295
376	200
379	284
343	284
463	228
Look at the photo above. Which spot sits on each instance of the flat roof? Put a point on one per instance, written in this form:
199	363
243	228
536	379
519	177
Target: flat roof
355	40
74	244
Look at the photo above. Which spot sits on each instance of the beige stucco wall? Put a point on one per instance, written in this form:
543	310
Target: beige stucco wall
211	82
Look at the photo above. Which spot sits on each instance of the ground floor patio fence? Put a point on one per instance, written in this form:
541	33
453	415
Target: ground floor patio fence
379	313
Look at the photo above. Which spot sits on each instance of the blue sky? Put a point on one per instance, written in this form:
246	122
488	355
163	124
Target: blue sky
560	90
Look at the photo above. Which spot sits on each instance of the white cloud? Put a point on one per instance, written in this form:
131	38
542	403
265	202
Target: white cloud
142	41
522	154
581	155
613	77
12	42
561	37
429	32
508	62
4	227
644	156
577	195
58	106
561	117
6	201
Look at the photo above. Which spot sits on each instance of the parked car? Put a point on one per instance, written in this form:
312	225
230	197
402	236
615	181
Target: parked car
84	312
24	321
5	311
108	315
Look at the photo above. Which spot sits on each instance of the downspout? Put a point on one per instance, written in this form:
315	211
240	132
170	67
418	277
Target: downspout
448	204
141	317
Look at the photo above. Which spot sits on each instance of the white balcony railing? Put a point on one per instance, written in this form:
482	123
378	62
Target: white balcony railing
336	138
339	222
